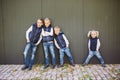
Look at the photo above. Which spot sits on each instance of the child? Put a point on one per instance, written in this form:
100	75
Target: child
47	36
62	44
33	37
93	46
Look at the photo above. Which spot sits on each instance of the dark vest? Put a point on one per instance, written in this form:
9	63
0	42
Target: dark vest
47	38
93	44
60	40
34	35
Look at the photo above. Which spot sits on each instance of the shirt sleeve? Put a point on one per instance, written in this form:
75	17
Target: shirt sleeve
56	44
89	45
39	40
98	44
51	32
27	33
66	40
48	33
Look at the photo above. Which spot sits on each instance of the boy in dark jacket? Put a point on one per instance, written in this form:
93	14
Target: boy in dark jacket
62	44
33	37
47	38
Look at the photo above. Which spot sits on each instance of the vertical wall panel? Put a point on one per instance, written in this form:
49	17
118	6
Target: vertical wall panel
18	16
102	15
75	17
67	14
2	55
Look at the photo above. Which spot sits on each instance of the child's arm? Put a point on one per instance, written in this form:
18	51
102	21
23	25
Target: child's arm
98	44
27	34
89	45
40	37
66	40
39	40
48	33
56	44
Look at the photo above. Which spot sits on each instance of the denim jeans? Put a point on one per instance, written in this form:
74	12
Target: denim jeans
66	51
97	54
29	47
49	46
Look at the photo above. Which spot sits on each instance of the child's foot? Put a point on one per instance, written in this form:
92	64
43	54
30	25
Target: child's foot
24	67
103	65
72	64
53	66
60	66
84	64
46	66
30	68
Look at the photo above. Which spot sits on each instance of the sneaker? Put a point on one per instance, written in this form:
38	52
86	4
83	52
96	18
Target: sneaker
60	66
72	64
46	66
103	65
84	64
30	68
24	67
53	66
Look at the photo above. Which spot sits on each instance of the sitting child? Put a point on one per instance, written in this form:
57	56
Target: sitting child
62	44
93	46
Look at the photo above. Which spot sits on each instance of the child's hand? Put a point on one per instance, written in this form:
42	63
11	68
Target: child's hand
67	46
36	44
28	40
89	49
96	49
47	33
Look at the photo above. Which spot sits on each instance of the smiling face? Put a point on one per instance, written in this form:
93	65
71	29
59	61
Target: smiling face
57	30
39	23
93	34
47	22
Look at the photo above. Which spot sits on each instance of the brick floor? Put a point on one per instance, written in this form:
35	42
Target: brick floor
89	72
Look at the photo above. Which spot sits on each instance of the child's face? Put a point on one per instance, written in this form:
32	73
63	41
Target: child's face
39	23
47	23
57	31
93	34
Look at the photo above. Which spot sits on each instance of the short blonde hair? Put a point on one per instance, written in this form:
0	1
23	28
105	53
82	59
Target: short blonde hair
47	19
57	27
89	33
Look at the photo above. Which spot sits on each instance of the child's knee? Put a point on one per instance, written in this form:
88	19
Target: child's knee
25	53
33	56
46	55
89	56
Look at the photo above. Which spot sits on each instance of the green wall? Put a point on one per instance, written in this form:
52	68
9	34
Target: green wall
75	17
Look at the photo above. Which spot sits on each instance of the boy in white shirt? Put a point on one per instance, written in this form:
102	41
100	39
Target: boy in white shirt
62	44
33	37
48	38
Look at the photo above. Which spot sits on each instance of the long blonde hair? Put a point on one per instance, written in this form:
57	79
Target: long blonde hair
89	33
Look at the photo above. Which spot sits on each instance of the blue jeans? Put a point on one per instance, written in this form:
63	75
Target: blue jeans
29	47
49	46
97	54
67	52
